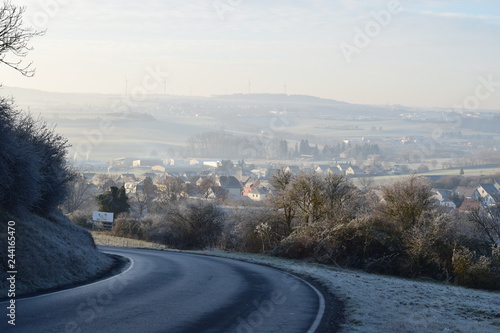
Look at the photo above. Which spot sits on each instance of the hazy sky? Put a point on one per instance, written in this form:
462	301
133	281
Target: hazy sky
426	53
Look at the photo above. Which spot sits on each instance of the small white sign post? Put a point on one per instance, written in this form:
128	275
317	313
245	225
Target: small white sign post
103	220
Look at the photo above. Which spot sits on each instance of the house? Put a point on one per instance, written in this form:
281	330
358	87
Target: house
293	169
259	172
258	194
151	175
159	168
148	163
465	192
123	162
342	167
322	169
354	171
212	163
102	182
216	193
249	185
447	203
133	187
496	183
232	186
373	170
441	195
488	194
125	178
468	205
408	140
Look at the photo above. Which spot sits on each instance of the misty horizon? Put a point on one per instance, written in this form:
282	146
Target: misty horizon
430	54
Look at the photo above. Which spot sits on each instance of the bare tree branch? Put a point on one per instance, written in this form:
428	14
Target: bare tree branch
14	38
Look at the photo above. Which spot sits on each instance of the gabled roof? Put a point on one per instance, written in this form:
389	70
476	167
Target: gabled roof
467	205
323	167
490	189
442	193
355	169
465	191
343	166
260	190
229	182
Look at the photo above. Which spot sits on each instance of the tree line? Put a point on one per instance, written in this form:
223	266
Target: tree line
228	146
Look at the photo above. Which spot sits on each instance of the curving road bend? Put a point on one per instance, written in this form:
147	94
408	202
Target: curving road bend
177	292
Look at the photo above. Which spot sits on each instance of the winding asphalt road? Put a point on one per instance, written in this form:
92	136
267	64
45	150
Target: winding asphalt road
177	292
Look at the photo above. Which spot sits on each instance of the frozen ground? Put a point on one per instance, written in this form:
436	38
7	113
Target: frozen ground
49	253
376	303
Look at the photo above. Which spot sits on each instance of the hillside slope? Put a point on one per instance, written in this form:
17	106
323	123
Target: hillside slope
49	253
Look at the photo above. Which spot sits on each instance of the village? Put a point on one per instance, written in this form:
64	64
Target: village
237	183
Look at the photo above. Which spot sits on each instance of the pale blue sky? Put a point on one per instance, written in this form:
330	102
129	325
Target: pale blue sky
429	54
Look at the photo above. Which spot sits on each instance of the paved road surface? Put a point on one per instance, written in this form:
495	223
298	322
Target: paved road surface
176	292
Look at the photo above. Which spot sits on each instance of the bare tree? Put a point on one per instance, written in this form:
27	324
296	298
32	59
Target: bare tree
103	182
139	202
142	198
307	193
206	186
340	198
406	200
172	189
281	198
79	194
366	182
487	222
14	38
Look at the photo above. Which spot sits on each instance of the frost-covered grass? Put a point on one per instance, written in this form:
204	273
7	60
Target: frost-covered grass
50	254
105	239
376	303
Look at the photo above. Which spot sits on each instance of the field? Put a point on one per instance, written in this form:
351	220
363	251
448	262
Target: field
104	127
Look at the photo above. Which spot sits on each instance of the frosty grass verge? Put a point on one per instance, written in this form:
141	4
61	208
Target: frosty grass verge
376	303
